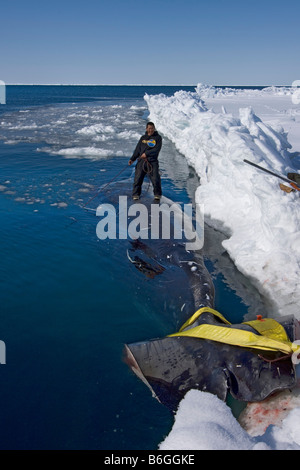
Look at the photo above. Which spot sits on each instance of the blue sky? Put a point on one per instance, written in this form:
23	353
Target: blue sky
155	42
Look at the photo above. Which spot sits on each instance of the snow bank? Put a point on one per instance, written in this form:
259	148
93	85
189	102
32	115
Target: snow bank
204	422
92	153
261	222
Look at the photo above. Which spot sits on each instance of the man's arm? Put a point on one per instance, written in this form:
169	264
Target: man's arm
137	151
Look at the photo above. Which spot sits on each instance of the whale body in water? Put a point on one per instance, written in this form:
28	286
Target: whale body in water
172	365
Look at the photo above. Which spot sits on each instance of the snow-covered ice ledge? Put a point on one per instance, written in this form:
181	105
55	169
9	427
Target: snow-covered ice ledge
261	222
204	422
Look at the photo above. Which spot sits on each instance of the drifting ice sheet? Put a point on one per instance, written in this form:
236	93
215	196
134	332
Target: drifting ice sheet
204	422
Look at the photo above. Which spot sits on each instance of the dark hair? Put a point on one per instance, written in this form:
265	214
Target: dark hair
150	124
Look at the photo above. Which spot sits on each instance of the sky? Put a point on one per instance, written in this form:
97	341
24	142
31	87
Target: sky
186	42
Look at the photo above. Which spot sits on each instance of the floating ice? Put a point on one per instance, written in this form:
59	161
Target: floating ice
87	131
88	152
96	129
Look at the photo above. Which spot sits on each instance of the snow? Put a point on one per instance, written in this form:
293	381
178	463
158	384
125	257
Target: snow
256	417
215	130
204	422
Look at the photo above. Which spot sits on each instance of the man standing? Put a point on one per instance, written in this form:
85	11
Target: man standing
147	151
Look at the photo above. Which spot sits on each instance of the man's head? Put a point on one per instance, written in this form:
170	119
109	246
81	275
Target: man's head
150	129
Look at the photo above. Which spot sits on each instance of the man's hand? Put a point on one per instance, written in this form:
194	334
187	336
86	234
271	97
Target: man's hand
143	155
130	162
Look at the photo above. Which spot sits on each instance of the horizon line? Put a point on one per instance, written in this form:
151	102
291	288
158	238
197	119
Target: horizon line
137	84
102	84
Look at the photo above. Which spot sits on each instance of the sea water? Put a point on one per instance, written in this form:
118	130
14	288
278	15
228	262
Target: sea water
68	300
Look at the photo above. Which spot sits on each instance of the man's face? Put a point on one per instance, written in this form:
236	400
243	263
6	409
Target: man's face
150	130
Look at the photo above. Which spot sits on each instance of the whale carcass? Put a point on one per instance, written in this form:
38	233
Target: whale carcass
172	365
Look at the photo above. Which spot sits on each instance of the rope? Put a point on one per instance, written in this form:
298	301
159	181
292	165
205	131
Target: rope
147	167
105	186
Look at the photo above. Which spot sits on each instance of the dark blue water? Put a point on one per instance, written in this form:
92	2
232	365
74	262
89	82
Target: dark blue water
26	95
69	301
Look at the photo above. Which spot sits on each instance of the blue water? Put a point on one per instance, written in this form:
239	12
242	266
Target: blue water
69	301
